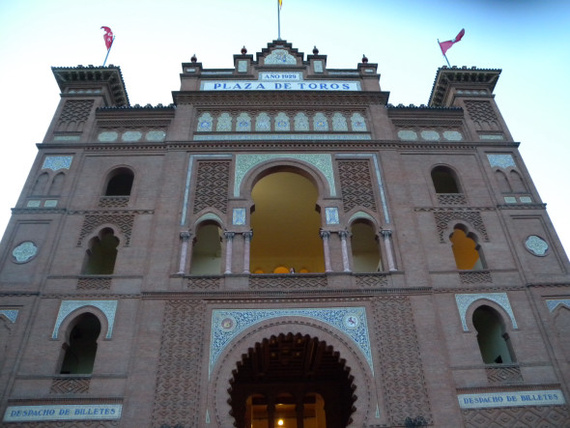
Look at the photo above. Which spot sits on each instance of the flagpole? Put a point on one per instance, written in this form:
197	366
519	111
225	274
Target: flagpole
444	55
278	21
108	50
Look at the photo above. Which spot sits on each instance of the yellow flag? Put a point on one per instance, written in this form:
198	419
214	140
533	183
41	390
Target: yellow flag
280	3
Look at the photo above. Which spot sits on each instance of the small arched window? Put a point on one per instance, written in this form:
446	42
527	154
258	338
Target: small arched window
504	185
101	255
120	182
466	250
207	250
40	184
56	187
81	346
517	182
444	180
365	249
493	341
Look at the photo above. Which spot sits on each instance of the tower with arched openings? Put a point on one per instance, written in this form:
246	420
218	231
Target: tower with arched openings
281	247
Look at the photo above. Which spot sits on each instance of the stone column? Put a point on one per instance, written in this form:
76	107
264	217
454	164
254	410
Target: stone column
229	247
325	235
387	237
345	262
246	249
185	239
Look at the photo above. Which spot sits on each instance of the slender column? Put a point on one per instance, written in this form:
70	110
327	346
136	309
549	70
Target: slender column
185	238
300	410
325	235
345	262
246	250
387	236
229	247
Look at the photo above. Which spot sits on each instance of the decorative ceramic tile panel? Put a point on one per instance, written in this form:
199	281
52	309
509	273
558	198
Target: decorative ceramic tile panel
243	123
552	304
280	57
465	300
242	66
245	163
155	136
227	324
10	314
318	66
407	135
331	214
282	137
510	200
452	135
301	122
339	122
238	218
50	203
33	204
357	122
24	252
263	122
525	199
536	245
55	163
282	122
430	135
205	123
224	123
108	307
501	161
107	136
320	122
131	136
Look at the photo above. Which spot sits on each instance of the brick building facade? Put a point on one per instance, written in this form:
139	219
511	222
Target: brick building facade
282	247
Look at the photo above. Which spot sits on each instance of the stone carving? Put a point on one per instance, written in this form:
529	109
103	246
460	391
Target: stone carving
465	300
212	185
260	282
55	163
66	385
108	307
371	280
356	184
443	218
475	277
403	381
504	374
113	201
451	199
280	57
123	221
74	114
536	245
482	113
94	283
229	323
205	283
24	252
519	417
179	366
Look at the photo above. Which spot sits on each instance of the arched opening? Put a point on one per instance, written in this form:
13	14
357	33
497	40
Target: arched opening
40	184
444	180
101	255
56	187
207	250
292	381
466	251
81	346
285	224
517	182
120	182
365	250
504	185
493	341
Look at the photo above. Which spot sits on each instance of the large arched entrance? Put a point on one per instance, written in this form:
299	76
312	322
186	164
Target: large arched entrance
292	381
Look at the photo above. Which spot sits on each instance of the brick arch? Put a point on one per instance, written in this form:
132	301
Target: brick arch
224	369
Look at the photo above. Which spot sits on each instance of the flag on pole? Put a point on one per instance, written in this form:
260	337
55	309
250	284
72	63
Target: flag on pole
108	37
449	43
280	3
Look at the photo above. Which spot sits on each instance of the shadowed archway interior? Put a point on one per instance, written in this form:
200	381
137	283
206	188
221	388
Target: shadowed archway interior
292	381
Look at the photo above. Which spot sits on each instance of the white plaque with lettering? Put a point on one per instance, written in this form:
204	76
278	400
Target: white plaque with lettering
63	412
552	397
280	85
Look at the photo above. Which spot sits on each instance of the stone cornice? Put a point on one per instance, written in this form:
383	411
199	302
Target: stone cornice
504	207
446	78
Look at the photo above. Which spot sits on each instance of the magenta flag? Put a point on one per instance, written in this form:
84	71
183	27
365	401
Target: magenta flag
449	43
108	37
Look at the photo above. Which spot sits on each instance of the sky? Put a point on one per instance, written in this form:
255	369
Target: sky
529	40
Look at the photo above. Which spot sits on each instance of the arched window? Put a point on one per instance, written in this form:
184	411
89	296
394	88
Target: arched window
101	255
40	184
444	180
120	182
285	225
466	251
504	185
81	346
517	182
56	187
365	250
493	341
207	250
